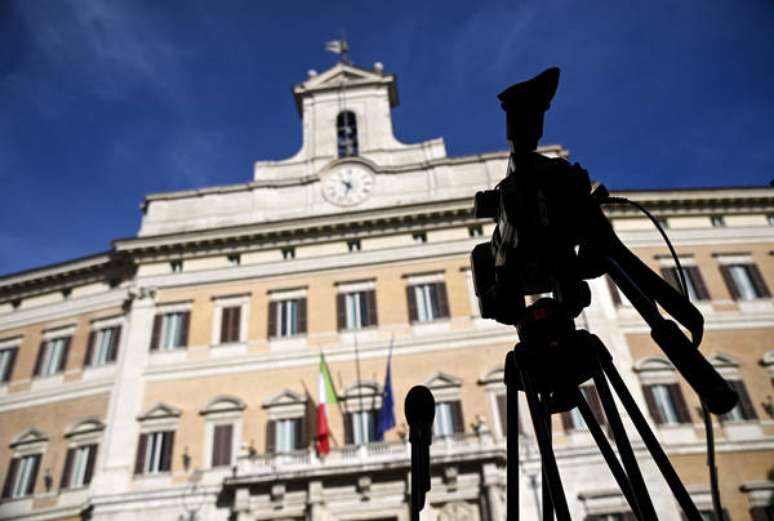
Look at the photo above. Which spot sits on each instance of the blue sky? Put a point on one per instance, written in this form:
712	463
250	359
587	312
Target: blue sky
103	101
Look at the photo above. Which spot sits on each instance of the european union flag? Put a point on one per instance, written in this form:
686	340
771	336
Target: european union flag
386	419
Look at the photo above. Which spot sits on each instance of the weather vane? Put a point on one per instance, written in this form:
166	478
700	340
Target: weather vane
339	47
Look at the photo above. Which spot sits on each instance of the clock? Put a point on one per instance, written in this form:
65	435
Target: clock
348	185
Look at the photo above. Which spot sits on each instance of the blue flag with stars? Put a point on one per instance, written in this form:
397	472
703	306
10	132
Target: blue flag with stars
386	419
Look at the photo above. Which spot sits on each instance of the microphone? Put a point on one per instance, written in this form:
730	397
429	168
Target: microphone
419	408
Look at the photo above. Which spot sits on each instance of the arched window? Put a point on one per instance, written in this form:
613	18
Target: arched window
662	392
346	134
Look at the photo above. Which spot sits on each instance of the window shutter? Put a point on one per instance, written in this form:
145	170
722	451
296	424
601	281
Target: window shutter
443	300
185	324
10	477
412	303
225	325
341	312
670	275
236	321
115	341
301	316
65	352
33	475
729	282
68	464
457	419
502	410
676	394
628	516
9	368
298	426
139	462
757	513
156	333
647	391
271	434
221	447
613	291
592	396
373	319
272	327
698	283
761	289
567	422
39	359
168	446
89	348
748	411
90	464
349	435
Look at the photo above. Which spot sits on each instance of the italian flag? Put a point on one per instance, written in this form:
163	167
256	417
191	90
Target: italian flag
327	396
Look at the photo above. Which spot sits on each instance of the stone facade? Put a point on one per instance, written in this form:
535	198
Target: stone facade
221	374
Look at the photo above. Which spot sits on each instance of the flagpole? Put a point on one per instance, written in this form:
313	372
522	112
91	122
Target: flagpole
359	389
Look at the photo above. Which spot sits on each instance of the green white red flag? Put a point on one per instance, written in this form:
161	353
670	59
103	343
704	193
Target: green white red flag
326	394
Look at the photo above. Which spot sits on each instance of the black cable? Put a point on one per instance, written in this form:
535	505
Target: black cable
708	429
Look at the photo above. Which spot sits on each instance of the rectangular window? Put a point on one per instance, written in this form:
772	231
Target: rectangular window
354	245
7	361
79	466
287	317
573	419
154	452
744	410
176	266
52	356
222	437
427	302
170	330
356	310
288	434
363	427
448	419
744	281
666	404
103	346
693	281
234	260
21	476
230	324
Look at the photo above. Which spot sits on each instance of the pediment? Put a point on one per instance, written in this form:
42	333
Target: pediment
653	363
495	375
440	380
365	389
86	426
285	397
341	73
223	404
31	435
722	360
159	411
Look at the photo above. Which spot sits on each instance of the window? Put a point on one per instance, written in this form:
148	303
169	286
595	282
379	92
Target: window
475	231
102	348
176	266
356	310
360	427
170	330
419	238
666	404
21	476
346	134
744	281
78	466
354	245
573	419
287	317
234	260
7	361
693	281
52	356
427	302
285	435
221	445
288	253
717	221
448	419
744	410
154	452
230	324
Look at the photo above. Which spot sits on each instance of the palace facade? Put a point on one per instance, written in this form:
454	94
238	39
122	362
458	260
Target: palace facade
175	375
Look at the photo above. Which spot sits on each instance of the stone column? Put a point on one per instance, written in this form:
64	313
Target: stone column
314	508
118	446
491	480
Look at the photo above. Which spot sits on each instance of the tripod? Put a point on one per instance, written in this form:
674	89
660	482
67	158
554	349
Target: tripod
548	365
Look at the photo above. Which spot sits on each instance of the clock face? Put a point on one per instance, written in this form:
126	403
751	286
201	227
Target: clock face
348	186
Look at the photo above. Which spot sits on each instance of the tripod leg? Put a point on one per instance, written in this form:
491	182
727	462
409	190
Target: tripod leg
512	439
607	450
548	506
644	510
658	454
548	461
